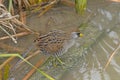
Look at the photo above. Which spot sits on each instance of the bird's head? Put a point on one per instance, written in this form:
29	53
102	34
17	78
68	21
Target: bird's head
76	34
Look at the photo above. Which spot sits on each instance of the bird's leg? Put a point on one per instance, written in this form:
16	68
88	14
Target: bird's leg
60	61
56	61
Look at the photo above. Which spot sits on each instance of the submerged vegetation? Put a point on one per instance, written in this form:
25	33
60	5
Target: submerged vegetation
5	72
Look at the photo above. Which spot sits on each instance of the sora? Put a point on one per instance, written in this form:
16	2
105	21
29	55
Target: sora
56	42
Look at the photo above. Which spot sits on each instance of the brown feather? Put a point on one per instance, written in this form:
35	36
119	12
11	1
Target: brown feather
52	42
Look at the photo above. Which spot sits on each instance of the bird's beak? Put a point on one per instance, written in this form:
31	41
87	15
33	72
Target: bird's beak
81	35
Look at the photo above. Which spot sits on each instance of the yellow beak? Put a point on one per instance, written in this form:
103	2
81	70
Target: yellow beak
81	35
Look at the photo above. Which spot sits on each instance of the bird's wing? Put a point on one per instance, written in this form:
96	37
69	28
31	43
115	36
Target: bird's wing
52	43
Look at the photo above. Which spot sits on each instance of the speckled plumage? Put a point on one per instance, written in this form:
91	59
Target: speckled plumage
55	42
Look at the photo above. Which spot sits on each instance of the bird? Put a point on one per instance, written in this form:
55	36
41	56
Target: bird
56	42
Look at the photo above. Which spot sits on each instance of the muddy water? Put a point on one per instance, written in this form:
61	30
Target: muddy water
86	60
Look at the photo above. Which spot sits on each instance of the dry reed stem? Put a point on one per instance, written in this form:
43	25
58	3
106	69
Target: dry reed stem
1	74
39	63
9	18
6	62
46	9
23	17
22	14
11	58
45	6
9	21
14	40
16	35
24	26
1	1
27	58
26	2
10	48
68	3
111	56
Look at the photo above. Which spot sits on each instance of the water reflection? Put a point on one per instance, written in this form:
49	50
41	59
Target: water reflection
93	65
98	54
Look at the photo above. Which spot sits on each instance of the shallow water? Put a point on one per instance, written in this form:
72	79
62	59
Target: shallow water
97	55
87	59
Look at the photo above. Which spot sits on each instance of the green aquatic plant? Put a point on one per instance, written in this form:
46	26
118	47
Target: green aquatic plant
6	72
80	6
10	5
18	55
